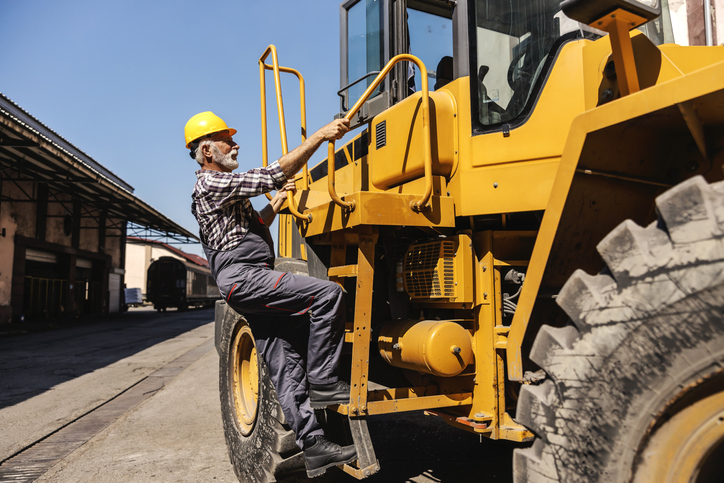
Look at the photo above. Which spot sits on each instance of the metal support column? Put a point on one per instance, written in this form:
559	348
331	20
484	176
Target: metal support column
367	461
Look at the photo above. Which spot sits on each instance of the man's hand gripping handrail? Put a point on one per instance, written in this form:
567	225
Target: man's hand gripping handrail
282	126
422	202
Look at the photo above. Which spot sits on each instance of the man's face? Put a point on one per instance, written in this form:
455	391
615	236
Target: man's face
225	150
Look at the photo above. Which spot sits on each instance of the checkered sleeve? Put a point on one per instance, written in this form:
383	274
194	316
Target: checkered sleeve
229	188
221	202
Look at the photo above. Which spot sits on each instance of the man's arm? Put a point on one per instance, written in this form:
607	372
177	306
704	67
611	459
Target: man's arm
292	162
269	212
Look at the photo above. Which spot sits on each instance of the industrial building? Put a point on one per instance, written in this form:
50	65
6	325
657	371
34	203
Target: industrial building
694	22
64	222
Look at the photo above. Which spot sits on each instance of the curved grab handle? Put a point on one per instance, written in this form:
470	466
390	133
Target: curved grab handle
415	204
282	126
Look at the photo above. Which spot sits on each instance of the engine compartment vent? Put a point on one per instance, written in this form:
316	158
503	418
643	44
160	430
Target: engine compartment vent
429	270
381	135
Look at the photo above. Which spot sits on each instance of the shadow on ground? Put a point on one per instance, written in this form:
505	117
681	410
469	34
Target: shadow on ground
412	447
33	363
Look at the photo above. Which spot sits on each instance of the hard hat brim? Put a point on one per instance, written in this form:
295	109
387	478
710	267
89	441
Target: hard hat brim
232	131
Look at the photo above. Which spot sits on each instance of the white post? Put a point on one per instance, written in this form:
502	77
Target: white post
708	23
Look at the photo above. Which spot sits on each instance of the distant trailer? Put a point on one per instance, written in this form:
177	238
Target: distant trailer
134	296
175	283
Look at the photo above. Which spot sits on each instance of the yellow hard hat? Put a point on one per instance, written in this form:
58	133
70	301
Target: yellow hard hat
203	124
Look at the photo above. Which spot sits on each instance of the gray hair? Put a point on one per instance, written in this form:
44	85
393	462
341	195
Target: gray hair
200	155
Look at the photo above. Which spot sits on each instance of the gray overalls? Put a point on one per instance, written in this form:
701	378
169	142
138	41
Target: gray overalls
297	321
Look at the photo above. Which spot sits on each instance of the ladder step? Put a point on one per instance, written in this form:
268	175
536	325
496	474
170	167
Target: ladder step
367	464
343	271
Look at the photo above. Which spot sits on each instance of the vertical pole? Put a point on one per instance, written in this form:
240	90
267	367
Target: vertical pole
623	57
361	355
262	92
72	308
708	24
485	391
77	216
102	231
122	284
362	322
41	219
17	293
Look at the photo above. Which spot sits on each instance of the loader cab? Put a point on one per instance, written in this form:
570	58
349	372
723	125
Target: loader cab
374	31
512	48
506	47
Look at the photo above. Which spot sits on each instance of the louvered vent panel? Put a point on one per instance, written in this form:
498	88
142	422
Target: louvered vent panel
381	135
429	270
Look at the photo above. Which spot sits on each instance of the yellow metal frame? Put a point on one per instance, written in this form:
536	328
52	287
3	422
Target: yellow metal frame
381	209
530	169
263	67
416	205
676	92
364	402
618	24
485	409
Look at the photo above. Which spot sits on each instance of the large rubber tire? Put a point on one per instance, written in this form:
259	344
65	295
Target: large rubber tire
261	445
645	332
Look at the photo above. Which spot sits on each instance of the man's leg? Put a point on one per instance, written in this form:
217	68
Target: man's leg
280	341
265	294
268	292
326	324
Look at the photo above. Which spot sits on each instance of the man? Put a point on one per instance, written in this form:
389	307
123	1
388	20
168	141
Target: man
240	252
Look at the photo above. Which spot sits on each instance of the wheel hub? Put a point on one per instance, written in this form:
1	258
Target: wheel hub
688	448
245	385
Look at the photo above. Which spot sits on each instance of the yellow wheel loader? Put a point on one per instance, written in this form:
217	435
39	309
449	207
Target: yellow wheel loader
529	225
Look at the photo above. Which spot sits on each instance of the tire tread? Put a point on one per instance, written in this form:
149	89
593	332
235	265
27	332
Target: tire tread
662	296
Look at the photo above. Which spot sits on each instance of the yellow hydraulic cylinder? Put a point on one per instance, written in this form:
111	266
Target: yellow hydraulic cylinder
439	347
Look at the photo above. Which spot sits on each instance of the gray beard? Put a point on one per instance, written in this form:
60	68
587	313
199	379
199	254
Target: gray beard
225	160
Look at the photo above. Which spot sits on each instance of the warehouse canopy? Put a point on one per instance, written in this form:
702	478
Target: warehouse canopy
31	151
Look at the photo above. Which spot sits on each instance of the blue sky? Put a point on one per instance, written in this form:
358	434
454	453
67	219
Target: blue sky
119	79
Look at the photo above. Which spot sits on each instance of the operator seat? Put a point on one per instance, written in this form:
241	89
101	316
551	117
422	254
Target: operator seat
444	72
489	110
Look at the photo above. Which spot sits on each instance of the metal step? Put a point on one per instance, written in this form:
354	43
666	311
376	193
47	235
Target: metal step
367	463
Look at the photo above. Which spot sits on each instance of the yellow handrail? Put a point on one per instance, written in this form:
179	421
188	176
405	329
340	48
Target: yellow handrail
415	205
282	126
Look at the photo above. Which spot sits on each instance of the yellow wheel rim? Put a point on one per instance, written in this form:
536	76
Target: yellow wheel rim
684	448
245	380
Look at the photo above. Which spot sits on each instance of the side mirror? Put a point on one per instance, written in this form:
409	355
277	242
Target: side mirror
601	13
617	17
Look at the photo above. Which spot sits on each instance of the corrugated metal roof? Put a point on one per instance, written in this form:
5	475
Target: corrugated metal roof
20	115
37	153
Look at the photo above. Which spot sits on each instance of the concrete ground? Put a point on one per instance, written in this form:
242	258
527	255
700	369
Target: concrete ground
50	379
175	434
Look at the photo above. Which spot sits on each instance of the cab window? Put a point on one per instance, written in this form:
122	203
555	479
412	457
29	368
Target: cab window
431	40
365	45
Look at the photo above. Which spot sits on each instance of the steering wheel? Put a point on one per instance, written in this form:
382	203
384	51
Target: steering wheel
517	74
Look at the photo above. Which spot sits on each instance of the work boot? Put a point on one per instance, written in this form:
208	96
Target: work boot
323	395
320	454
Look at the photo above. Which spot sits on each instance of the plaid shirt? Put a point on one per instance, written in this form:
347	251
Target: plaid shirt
221	202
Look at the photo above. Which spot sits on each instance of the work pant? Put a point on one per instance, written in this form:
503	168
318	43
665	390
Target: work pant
298	324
